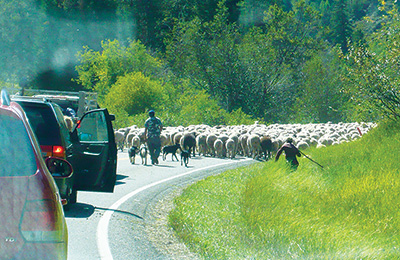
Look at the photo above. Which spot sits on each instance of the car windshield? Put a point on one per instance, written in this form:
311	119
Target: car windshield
43	123
16	153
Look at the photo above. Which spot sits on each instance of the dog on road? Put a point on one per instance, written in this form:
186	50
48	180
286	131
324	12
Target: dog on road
170	149
143	151
132	153
185	154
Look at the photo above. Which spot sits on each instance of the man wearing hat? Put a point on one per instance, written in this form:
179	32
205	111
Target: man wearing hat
153	128
291	152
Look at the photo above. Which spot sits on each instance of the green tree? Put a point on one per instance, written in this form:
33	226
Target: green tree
374	70
198	108
254	72
340	24
294	35
292	38
252	11
99	70
134	93
322	97
147	16
264	80
206	53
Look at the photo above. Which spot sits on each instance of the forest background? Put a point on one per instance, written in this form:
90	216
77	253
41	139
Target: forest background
210	61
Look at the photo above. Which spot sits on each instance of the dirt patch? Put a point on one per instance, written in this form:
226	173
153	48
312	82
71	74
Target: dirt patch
161	234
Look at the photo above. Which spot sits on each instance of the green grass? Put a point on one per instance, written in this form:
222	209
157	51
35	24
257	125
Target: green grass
348	210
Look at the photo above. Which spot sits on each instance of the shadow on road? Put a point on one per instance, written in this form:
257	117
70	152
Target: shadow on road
119	178
82	210
165	166
79	210
120	211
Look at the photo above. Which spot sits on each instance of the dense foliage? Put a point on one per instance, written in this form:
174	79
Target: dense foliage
275	61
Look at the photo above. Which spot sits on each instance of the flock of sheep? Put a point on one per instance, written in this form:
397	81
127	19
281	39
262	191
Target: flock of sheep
256	141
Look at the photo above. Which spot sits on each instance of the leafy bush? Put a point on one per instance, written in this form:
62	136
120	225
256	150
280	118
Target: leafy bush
100	70
238	117
373	70
134	93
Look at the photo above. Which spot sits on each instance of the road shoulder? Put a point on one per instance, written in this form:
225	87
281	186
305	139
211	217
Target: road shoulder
161	234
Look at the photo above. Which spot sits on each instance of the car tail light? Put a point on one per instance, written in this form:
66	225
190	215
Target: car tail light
58	151
41	221
47	150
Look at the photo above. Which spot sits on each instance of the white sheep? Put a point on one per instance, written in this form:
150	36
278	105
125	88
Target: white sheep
313	134
119	140
201	141
164	140
135	141
142	136
235	138
254	145
243	143
211	138
224	138
219	148
230	147
177	137
129	137
301	145
188	142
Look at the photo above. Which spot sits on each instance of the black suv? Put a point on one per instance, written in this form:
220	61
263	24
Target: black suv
90	147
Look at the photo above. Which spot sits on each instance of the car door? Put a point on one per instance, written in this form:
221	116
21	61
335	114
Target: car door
94	154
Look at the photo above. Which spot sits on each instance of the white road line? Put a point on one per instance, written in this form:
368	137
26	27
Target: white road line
102	228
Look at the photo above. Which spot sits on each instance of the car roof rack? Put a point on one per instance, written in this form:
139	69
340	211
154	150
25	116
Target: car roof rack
18	97
80	101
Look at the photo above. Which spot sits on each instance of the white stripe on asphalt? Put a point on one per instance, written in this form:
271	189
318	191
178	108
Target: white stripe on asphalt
102	228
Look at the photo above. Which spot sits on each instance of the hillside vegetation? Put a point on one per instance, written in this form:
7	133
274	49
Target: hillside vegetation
210	62
348	210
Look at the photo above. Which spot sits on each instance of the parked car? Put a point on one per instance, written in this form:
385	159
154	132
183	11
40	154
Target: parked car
32	218
90	147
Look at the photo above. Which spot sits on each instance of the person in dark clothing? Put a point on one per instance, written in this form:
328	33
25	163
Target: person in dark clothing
70	112
153	128
291	153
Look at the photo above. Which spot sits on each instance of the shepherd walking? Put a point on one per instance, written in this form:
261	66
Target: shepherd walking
291	153
153	128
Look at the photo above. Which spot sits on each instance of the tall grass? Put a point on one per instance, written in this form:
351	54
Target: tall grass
348	210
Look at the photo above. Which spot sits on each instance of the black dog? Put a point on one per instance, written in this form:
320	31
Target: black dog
132	153
170	149
185	157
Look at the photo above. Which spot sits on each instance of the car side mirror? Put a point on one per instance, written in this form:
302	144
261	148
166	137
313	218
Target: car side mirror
112	117
59	167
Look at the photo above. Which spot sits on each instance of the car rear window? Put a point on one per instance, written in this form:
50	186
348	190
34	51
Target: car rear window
43	122
17	157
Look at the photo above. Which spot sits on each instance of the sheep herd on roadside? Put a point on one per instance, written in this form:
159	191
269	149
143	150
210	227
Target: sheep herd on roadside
257	141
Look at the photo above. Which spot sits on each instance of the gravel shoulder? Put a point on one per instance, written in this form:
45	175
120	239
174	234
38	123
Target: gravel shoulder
161	234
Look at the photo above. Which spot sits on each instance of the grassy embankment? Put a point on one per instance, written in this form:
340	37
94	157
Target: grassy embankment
348	210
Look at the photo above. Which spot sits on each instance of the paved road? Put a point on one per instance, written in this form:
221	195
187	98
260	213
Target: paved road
111	225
